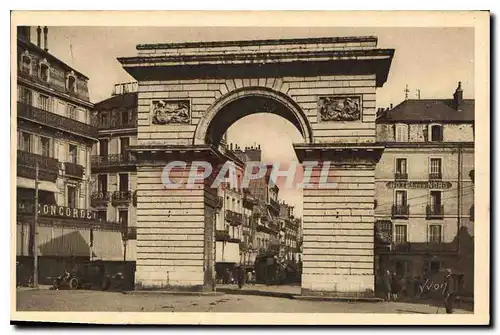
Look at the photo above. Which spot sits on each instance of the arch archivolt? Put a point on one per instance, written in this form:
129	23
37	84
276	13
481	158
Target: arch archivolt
234	89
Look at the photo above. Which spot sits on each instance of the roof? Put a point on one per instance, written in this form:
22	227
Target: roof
429	110
240	43
127	100
50	56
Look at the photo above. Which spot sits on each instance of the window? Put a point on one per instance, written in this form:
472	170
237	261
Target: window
44	72
123	217
73	154
72	112
104	119
124	144
124	116
102	216
435	201
71	86
102	183
71	196
26	142
26	63
401	133
45	144
435	267
435	168
25	95
401	198
401	168
400	235
436	133
435	233
44	102
103	147
123	182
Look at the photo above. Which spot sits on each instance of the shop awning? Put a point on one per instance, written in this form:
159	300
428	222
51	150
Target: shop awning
42	184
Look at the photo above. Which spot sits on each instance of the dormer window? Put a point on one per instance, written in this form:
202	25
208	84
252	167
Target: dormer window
436	133
44	71
401	133
71	82
26	63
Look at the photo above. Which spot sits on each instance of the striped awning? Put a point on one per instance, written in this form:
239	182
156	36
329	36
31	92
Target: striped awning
42	184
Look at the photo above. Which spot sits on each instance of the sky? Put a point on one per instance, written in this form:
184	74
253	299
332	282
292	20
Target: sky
432	60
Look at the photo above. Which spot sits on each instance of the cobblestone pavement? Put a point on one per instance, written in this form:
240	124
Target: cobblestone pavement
48	300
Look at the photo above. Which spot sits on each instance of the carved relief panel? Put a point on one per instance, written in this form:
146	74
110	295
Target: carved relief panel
339	108
165	111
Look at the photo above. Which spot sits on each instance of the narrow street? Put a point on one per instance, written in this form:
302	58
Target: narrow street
48	300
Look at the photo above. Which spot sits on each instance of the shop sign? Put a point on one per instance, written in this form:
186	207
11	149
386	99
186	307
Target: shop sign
45	210
437	184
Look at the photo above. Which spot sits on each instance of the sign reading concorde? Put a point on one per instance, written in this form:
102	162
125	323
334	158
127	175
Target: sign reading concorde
58	211
419	184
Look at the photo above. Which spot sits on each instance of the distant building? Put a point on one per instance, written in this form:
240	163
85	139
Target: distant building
54	131
424	188
114	188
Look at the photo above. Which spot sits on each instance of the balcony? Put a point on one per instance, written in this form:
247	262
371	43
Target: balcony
48	168
73	170
235	219
129	233
113	160
249	200
434	212
400	211
274	205
400	176
423	247
50	119
114	123
99	199
219	202
59	87
435	176
121	198
222	235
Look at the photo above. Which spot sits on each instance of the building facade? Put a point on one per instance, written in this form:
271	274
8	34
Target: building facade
54	138
114	183
424	190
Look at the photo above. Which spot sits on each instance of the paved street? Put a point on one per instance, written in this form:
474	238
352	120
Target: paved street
48	300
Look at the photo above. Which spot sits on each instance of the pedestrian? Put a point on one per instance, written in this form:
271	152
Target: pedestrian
249	277
395	286
387	285
240	276
448	291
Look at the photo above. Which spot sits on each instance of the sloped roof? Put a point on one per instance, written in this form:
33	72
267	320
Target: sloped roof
429	110
127	100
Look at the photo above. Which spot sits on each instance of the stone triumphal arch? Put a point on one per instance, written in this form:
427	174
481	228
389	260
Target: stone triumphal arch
326	87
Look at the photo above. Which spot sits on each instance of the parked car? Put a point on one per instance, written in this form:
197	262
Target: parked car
90	275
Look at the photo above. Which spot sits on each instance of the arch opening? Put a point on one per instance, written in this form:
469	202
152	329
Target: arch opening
243	102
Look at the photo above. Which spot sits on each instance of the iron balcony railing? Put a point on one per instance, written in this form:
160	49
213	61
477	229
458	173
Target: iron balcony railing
400	211
113	160
401	176
222	234
435	212
129	233
435	176
48	167
73	170
54	120
114	123
121	198
274	205
99	199
418	247
235	219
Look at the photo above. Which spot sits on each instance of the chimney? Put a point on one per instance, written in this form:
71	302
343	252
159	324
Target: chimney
390	106
231	146
458	97
45	34
39	37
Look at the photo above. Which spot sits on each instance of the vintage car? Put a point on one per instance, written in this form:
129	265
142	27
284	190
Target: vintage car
90	275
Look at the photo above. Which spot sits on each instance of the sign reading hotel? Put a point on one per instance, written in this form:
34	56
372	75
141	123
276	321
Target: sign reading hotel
58	211
419	184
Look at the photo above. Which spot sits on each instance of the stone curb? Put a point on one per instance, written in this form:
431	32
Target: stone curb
257	292
344	299
181	293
